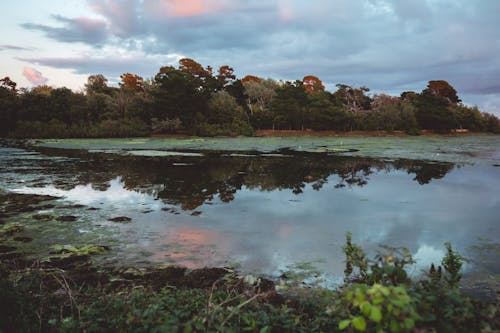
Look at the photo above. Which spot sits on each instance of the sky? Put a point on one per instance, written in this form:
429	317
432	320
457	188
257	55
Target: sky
390	46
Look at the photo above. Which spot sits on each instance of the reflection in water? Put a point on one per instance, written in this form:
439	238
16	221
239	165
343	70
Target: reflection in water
191	181
269	212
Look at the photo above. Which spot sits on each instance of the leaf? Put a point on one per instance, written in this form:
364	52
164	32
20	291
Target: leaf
394	326
359	323
366	308
376	314
264	329
409	323
344	323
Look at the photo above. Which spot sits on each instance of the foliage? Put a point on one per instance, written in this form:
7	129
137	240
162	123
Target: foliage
388	266
166	125
379	308
355	259
208	104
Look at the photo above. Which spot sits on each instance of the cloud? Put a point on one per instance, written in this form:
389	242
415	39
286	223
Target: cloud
183	8
123	16
14	47
82	29
35	77
388	45
111	62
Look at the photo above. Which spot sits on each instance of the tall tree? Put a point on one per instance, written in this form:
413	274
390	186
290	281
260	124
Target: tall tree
194	68
289	106
354	99
433	112
132	82
7	83
444	89
178	94
313	84
225	76
96	84
8	105
250	78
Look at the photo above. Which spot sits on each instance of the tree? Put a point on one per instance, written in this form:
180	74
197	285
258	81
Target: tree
61	101
8	84
178	94
194	68
354	99
433	112
444	89
313	84
289	106
250	78
225	76
323	114
97	84
468	117
8	105
222	108
260	94
132	82
99	107
390	113
43	90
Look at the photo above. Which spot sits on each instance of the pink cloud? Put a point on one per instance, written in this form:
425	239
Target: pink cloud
183	8
286	12
35	77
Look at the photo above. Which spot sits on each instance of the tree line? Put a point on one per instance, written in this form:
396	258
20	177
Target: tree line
193	99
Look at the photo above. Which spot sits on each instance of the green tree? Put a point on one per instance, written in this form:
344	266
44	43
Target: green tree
289	106
9	104
97	84
444	89
178	94
433	112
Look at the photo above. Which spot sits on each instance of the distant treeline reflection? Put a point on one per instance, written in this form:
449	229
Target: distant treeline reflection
192	181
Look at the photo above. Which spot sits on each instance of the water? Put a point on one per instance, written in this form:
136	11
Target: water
266	204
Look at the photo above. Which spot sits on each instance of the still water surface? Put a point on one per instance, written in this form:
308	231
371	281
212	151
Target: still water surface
265	210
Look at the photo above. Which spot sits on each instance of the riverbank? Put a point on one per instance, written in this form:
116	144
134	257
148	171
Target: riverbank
72	294
259	133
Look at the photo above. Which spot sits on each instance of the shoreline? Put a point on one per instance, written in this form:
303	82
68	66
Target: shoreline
328	133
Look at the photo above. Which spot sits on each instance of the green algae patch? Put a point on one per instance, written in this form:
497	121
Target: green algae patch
461	149
10	229
161	153
65	251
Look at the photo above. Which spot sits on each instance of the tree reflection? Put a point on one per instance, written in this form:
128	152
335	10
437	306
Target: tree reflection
192	181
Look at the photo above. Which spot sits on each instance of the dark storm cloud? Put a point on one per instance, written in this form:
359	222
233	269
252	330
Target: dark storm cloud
82	29
388	45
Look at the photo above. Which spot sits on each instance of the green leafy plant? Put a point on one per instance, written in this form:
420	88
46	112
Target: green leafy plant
452	263
356	263
388	266
379	308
